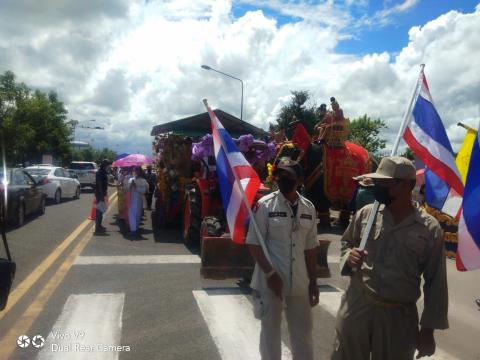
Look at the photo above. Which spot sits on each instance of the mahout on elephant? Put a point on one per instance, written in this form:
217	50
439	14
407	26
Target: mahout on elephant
330	163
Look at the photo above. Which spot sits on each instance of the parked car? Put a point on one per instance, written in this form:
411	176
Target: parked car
55	181
24	195
86	172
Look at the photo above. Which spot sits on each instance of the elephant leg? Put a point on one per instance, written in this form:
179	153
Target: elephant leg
324	219
344	217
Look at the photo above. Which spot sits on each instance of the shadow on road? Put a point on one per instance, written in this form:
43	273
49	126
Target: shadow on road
51	202
124	230
170	234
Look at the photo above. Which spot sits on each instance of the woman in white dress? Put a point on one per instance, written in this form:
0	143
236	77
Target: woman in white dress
138	186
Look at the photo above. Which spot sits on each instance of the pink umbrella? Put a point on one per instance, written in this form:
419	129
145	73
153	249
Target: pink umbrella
133	160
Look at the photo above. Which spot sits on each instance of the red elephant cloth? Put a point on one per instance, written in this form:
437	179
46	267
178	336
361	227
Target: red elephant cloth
340	166
301	138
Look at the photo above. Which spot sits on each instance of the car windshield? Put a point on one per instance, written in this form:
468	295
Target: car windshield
81	166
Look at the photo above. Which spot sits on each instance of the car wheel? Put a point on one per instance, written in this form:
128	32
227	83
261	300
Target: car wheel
20	215
77	193
58	196
41	208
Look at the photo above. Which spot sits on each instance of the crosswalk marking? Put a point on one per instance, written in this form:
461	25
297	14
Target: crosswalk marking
89	327
330	300
137	260
233	327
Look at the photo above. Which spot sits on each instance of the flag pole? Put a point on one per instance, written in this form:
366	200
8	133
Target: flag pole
245	201
466	127
403	125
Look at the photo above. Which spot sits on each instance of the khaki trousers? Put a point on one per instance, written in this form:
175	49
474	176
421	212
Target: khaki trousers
268	308
367	331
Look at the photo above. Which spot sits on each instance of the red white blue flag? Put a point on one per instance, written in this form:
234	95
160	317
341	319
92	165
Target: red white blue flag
426	136
233	171
468	251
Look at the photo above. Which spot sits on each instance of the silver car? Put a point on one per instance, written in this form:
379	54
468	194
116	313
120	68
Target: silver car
56	182
85	171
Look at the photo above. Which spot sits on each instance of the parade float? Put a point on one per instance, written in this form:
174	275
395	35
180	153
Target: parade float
188	191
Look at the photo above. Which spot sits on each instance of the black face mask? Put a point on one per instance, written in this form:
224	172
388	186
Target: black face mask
382	195
286	184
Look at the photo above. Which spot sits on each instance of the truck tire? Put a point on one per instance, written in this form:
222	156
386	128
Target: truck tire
212	226
192	209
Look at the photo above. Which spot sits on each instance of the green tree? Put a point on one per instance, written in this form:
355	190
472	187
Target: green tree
91	154
299	109
365	132
33	123
409	154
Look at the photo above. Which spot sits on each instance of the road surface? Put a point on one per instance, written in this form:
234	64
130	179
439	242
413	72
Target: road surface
79	296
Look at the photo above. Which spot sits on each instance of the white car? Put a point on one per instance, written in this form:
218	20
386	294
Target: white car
56	182
86	172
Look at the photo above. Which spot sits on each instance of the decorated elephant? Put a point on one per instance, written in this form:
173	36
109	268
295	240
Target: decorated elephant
330	163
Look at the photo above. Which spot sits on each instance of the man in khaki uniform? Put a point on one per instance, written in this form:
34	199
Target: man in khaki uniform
287	223
378	316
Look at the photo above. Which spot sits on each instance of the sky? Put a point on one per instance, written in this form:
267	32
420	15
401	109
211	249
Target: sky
132	64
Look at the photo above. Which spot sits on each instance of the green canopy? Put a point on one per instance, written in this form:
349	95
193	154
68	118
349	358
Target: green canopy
199	125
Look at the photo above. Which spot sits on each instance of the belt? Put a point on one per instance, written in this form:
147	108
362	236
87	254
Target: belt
379	301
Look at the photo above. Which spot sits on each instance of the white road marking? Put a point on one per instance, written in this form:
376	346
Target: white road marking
330	300
87	324
137	260
233	327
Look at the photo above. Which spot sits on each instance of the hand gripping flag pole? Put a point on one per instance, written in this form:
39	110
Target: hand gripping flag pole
403	125
242	191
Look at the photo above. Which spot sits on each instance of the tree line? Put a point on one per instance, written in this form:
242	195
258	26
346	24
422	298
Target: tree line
34	123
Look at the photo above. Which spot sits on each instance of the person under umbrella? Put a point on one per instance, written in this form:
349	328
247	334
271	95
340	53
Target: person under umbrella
138	186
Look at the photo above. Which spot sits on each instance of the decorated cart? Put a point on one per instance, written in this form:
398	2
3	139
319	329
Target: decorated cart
188	189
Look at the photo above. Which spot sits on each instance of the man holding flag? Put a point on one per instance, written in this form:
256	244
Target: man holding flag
282	238
378	316
287	223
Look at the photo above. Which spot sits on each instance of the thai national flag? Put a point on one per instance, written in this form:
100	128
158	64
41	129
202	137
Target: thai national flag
426	136
468	253
232	166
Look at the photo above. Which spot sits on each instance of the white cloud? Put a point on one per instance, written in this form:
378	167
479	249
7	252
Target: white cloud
131	67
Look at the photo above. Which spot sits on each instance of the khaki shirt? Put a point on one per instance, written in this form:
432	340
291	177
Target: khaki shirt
286	239
398	255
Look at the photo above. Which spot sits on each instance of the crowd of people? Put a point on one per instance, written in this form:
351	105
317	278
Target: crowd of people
377	318
134	185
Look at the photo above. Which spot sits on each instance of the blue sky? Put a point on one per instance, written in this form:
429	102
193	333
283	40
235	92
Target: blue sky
390	37
132	64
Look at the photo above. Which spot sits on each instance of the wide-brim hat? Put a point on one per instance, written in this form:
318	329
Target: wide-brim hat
394	167
364	181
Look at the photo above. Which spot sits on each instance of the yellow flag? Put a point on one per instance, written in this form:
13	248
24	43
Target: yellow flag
463	156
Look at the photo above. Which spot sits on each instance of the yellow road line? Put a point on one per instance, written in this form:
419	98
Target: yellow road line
23	324
21	289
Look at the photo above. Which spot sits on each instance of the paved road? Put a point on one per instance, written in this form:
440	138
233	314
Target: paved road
109	297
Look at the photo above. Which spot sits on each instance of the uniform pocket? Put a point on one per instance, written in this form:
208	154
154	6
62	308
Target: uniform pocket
416	245
277	221
259	309
305	225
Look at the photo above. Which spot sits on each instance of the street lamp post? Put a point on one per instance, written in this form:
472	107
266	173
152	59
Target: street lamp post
206	67
76	123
